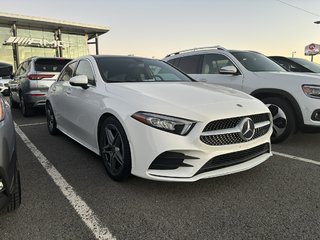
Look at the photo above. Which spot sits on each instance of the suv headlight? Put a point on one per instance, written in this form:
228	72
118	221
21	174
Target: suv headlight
312	91
2	112
166	123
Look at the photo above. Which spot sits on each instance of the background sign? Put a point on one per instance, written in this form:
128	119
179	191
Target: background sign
35	42
311	49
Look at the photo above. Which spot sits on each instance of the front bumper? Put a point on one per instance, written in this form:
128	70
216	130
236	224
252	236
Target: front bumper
308	109
147	143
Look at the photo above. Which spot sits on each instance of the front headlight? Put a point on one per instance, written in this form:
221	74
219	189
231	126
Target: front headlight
166	123
312	91
2	112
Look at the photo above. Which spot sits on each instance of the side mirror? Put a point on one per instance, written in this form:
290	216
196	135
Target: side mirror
228	70
5	70
79	81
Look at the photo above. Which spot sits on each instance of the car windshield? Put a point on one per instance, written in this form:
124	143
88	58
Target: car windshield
131	69
314	67
256	62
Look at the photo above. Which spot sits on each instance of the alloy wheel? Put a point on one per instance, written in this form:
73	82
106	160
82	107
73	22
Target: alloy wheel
113	149
50	118
279	120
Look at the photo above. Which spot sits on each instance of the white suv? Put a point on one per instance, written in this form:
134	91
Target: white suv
293	99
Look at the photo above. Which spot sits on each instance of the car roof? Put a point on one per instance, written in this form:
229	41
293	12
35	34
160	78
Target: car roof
120	56
205	50
37	57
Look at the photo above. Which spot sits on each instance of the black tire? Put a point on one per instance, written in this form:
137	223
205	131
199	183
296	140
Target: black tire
284	119
15	197
13	103
115	149
25	110
51	121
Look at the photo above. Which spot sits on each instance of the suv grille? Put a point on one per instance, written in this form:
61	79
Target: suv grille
234	158
228	131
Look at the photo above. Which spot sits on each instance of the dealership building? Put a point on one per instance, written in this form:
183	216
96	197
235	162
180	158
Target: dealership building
22	37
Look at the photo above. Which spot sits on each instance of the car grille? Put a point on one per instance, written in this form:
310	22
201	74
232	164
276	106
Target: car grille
227	131
234	158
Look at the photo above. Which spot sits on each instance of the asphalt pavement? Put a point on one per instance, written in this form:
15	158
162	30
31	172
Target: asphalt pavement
279	199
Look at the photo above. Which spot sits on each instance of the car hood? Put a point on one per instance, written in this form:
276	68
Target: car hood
184	98
302	78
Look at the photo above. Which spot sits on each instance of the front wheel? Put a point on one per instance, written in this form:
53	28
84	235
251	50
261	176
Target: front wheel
284	120
115	149
15	197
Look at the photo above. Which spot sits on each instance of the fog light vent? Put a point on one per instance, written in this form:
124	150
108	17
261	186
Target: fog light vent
170	160
316	115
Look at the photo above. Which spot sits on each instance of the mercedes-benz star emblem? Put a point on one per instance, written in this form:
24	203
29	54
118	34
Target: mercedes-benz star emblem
247	129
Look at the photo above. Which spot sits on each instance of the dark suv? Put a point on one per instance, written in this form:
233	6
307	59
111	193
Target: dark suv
31	82
10	188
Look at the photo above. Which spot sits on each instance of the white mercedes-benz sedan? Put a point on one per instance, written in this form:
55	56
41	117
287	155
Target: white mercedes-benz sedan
146	118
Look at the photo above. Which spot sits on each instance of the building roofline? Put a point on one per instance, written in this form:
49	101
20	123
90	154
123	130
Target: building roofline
51	24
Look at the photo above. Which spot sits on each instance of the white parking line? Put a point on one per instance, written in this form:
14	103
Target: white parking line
83	210
296	158
32	124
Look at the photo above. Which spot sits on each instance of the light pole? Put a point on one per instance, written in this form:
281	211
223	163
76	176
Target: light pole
292	53
316	22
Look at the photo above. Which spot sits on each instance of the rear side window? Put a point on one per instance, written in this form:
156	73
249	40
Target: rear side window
50	65
23	68
189	64
173	61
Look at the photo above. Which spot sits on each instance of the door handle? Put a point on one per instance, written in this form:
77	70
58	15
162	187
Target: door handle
202	80
68	91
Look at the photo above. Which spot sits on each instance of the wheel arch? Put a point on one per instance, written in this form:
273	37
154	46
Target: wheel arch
116	116
101	119
47	102
270	92
104	116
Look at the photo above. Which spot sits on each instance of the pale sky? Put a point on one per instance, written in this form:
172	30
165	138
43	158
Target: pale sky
154	28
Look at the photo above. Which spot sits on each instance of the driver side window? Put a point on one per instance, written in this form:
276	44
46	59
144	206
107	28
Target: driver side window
67	73
84	68
212	63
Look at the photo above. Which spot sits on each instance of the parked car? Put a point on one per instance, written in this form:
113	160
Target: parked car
297	65
30	84
293	99
4	80
147	118
10	188
4	86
